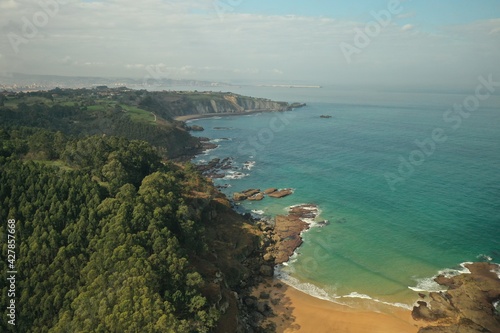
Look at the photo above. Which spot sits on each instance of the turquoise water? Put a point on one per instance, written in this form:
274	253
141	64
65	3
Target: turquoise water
381	240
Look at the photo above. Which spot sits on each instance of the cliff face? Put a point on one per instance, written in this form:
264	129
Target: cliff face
234	262
176	104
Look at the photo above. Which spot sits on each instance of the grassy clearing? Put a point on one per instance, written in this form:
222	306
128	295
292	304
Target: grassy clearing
137	114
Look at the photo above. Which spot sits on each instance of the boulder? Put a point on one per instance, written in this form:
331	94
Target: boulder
264	295
268	257
256	197
281	193
251	192
196	128
250	301
263	307
237	196
266	270
270	190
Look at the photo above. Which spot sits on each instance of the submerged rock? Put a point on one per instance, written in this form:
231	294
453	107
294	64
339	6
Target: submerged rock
281	193
251	192
256	197
196	128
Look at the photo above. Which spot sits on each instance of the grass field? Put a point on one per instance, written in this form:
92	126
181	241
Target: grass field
137	114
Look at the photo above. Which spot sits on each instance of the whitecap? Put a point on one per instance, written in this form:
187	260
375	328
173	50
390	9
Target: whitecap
235	175
327	295
484	257
363	296
451	272
496	270
305	287
248	165
314	209
208	151
357	295
427	285
220	140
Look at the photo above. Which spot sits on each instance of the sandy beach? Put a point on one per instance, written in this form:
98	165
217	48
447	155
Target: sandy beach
220	114
298	312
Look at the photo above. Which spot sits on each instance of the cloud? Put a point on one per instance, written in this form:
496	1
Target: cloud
132	66
188	39
8	4
477	28
407	27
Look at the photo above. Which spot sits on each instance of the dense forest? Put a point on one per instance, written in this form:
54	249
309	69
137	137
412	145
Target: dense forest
134	114
84	112
110	236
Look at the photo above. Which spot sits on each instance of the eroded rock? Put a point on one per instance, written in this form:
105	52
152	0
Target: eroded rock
467	306
281	193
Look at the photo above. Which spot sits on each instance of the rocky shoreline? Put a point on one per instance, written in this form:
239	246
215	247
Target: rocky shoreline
280	237
288	229
467	306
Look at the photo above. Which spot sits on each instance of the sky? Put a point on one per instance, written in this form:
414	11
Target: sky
406	43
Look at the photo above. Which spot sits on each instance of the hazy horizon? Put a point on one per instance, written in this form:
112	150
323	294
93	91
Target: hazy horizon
371	43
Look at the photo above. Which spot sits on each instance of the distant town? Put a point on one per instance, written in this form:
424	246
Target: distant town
24	82
17	82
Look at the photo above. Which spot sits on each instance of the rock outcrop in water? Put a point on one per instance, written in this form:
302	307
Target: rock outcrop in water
467	306
288	229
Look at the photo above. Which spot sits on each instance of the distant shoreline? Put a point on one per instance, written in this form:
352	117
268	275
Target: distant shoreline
225	114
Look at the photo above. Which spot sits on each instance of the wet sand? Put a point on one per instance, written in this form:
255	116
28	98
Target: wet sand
299	312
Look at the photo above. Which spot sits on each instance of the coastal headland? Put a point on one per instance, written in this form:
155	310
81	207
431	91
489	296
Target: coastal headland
275	306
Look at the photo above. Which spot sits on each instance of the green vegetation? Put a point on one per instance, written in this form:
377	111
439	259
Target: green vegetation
103	242
111	234
83	112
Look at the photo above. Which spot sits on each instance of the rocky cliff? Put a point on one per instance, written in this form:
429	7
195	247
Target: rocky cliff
234	261
467	306
176	104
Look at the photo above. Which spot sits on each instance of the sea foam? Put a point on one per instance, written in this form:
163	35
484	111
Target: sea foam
248	165
328	295
429	285
235	175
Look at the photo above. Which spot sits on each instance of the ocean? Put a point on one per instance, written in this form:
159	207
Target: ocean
409	183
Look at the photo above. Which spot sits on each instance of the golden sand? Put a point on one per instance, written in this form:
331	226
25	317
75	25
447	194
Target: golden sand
299	312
